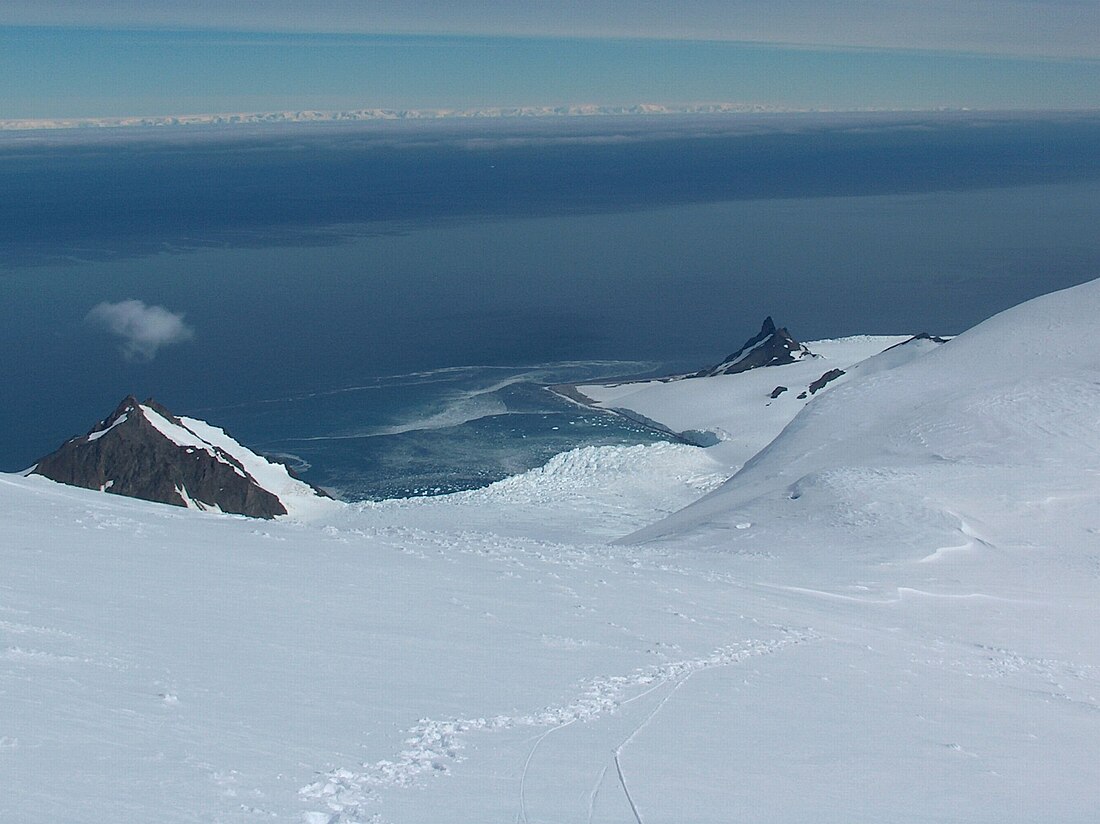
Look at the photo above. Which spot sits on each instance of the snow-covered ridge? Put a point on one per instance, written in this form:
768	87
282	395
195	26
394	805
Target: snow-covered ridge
1016	396
181	436
737	413
300	499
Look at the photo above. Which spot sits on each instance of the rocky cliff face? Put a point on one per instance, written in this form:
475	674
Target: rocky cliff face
142	450
769	347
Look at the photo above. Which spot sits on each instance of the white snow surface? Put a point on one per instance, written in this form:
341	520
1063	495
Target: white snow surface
738	408
890	614
95	436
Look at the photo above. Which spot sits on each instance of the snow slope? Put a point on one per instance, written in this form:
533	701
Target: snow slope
1016	395
164	664
890	614
738	409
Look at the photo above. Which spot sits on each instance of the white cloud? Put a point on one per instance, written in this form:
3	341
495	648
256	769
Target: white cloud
143	329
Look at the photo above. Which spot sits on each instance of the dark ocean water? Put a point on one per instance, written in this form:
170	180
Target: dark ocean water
384	302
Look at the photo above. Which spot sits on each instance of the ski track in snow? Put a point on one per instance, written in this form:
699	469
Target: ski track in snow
594	794
626	791
433	746
522	814
626	742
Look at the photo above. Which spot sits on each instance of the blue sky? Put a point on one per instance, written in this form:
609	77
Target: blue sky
100	58
1053	28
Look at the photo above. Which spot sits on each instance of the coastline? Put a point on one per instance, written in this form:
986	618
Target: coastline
571	393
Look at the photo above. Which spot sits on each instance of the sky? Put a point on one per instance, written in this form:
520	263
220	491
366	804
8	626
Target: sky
109	58
1052	28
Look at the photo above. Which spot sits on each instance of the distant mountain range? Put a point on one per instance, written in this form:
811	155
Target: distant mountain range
372	114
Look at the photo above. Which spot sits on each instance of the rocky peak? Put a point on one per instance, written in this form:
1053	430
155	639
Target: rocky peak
120	415
769	347
142	450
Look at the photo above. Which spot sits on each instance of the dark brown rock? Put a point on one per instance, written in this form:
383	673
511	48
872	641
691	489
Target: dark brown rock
828	377
769	347
125	454
917	337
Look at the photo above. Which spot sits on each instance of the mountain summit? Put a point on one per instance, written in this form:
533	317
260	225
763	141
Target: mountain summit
769	347
141	450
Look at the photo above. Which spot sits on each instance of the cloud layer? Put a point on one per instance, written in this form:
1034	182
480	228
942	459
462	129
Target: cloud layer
1057	28
143	329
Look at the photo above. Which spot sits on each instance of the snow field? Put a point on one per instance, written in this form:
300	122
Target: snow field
216	668
890	613
738	408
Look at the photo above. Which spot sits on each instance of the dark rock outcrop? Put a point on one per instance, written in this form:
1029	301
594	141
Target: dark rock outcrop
769	347
828	377
918	337
128	453
779	390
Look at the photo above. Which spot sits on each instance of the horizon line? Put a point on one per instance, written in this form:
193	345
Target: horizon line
369	114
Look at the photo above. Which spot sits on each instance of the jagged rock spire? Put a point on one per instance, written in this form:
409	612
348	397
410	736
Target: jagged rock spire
769	347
